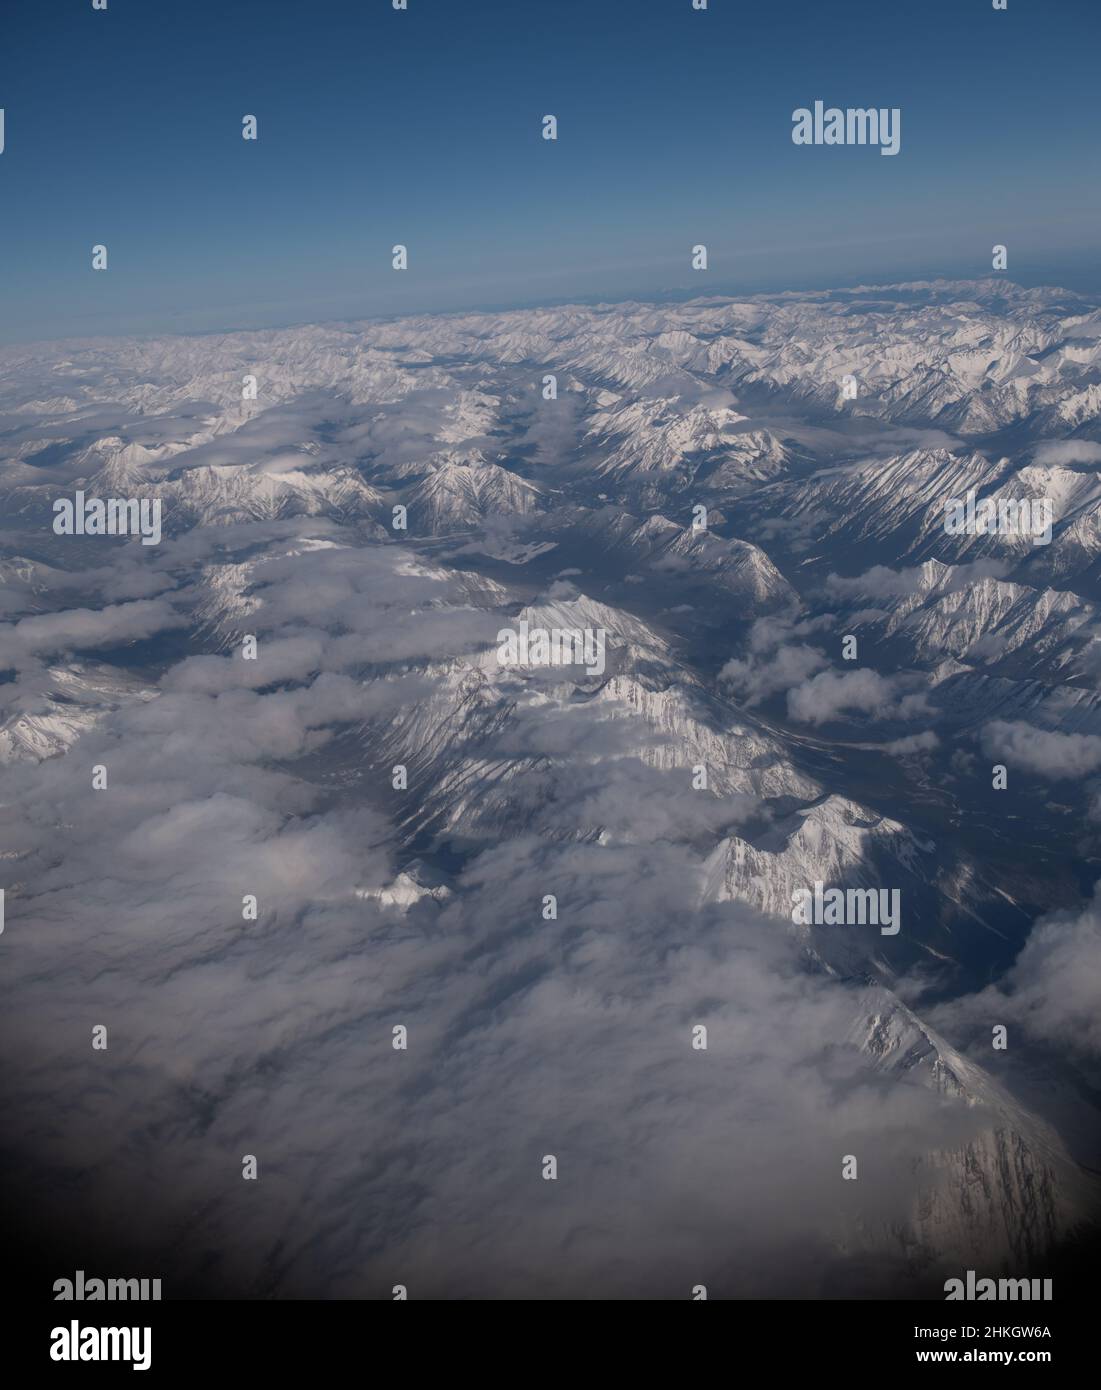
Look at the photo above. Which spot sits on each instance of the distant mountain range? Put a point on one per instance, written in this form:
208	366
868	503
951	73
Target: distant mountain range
808	679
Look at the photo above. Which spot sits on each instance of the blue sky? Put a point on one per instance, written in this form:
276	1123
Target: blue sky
423	127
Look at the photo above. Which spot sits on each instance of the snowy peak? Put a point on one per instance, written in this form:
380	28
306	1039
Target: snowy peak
461	492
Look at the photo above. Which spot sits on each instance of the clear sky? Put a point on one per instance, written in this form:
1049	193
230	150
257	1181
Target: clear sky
424	127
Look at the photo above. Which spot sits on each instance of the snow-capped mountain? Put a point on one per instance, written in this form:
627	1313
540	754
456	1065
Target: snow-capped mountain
461	492
785	670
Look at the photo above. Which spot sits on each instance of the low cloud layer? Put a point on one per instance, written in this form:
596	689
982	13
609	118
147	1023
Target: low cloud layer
1043	752
1052	990
255	873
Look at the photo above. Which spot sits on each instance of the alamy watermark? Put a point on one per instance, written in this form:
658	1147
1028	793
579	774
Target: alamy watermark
92	1289
113	516
1006	516
556	646
76	1343
821	906
855	125
972	1288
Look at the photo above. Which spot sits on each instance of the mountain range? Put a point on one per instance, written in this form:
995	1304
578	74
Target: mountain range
808	679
